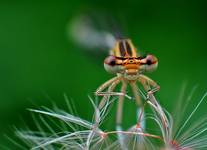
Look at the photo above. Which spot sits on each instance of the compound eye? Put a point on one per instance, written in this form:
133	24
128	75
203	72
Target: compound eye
150	59
110	60
150	63
111	66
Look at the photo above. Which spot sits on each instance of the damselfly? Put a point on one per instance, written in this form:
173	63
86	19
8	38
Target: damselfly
123	61
129	66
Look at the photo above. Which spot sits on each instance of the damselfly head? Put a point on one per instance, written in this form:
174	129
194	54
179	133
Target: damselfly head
111	65
124	59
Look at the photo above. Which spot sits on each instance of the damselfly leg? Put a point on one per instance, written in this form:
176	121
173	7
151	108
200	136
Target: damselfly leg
107	89
149	85
111	84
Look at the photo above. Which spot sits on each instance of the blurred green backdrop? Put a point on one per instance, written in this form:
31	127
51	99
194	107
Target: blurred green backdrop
38	63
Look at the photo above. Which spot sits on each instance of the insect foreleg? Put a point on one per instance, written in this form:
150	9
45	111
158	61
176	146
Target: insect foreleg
148	83
105	85
111	84
135	91
106	95
120	104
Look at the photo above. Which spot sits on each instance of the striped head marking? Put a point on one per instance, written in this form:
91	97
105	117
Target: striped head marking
124	48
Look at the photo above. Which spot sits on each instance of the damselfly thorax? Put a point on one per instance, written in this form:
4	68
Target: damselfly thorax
129	66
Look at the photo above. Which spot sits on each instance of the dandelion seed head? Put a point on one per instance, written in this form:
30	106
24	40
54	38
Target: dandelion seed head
75	132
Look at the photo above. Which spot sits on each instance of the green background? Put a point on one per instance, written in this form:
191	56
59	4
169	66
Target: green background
38	63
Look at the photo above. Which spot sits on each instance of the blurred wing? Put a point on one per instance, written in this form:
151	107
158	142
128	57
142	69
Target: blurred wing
83	32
